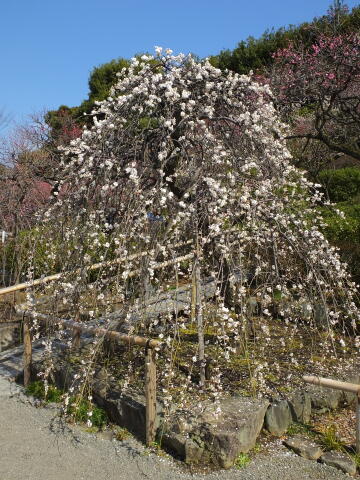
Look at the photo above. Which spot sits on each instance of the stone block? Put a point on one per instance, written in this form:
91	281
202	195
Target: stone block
194	451
219	434
278	417
128	410
300	406
339	460
324	398
304	447
352	377
175	442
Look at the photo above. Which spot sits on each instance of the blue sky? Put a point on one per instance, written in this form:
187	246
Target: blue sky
49	47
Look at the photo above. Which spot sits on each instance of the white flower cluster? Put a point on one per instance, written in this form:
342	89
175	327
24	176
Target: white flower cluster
180	151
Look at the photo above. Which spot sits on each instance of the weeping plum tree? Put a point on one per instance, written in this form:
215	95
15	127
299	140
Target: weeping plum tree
186	153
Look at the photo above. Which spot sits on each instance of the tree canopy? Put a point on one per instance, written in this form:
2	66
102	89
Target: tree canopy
257	53
181	153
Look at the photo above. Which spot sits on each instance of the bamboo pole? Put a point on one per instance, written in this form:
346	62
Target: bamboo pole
150	394
358	423
346	387
95	266
161	265
57	276
27	351
111	334
328	383
23	286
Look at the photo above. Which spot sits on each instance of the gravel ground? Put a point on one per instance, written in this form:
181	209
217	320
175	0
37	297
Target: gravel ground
33	447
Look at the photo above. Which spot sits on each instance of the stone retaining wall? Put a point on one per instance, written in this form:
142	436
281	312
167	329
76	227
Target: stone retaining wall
211	433
215	433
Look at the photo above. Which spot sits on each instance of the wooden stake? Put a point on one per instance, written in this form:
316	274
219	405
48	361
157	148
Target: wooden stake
358	423
193	295
150	394
199	321
76	338
27	351
146	281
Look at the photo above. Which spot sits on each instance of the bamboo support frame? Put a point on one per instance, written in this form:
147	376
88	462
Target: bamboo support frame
150	360
95	266
336	384
96	331
150	394
345	387
149	344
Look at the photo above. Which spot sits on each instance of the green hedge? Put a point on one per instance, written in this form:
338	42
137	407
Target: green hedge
341	185
344	232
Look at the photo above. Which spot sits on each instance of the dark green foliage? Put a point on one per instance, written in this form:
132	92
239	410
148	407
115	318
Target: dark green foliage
347	228
102	78
80	409
341	185
54	118
37	389
256	54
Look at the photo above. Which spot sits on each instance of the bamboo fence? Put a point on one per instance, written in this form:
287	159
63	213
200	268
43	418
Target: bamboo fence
345	387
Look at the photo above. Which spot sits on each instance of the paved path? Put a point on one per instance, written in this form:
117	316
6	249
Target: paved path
33	447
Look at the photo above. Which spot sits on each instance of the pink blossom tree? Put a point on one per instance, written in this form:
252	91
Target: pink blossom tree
317	91
27	176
